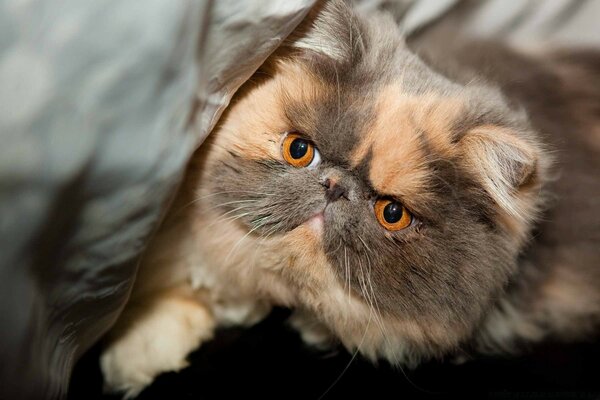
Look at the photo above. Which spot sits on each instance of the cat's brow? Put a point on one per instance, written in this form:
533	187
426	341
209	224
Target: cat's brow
362	170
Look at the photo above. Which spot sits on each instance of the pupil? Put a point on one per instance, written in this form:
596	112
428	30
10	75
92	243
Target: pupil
392	213
298	148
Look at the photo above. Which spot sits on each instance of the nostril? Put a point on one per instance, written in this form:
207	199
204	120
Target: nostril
334	192
328	182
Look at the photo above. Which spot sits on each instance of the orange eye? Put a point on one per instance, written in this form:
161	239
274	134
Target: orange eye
297	151
392	215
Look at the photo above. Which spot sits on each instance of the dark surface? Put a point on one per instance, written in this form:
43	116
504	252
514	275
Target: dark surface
269	361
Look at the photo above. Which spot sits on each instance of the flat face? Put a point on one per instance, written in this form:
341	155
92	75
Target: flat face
369	178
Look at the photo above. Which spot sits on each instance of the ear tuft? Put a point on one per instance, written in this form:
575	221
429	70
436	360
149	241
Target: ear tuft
332	30
508	167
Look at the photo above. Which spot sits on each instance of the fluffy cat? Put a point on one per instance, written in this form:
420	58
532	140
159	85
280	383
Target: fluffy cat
391	202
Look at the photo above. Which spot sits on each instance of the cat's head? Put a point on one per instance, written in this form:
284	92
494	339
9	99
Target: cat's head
384	197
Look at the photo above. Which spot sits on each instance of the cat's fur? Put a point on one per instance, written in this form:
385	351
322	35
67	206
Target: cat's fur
464	144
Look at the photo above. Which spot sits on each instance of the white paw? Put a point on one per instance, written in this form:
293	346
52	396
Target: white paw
152	340
313	332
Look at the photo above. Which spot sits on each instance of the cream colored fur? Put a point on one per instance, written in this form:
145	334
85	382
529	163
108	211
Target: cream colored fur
157	338
215	274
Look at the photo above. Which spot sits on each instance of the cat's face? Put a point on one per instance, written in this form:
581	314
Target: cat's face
374	189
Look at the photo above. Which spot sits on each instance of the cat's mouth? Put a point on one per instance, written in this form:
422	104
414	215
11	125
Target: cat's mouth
316	221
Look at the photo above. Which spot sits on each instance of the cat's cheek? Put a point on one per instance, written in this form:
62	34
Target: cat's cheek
306	238
306	266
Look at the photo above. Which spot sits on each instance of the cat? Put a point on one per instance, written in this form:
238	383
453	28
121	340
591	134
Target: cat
409	207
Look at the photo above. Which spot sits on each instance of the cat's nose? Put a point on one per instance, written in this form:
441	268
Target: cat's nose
334	190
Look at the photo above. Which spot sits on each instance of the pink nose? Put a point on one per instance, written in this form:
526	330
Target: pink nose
333	191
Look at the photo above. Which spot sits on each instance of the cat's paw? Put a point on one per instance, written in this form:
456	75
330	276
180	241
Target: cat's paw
313	332
154	340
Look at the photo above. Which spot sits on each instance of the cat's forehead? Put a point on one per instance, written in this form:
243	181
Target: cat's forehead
408	132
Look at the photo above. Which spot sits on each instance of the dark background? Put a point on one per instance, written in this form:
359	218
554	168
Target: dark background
269	361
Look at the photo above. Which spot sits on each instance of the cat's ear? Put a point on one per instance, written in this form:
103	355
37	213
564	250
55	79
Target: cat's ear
508	166
332	31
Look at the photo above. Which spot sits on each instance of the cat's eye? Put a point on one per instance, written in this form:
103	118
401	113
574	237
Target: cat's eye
300	152
392	215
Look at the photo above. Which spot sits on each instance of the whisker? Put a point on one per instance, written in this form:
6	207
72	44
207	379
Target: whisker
378	315
234	192
369	297
383	329
348	272
362	340
229	219
240	241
